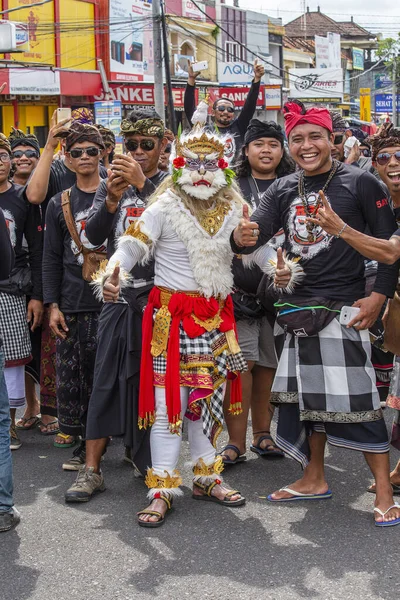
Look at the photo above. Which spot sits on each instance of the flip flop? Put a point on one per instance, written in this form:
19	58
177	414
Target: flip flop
52	431
270	451
232	461
383	513
35	421
395	488
299	496
65	436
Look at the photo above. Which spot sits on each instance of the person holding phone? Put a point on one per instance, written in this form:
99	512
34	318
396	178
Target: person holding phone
223	112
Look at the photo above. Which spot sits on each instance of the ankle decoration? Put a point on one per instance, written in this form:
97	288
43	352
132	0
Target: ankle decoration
207	473
160	486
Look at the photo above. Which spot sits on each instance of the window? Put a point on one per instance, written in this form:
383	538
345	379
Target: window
234	52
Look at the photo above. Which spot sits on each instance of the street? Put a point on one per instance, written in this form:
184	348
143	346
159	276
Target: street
321	550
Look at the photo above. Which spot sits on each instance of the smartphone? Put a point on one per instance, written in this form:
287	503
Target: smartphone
200	66
63	113
347	314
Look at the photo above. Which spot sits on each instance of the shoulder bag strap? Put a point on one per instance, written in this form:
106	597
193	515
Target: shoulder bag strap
69	220
254	190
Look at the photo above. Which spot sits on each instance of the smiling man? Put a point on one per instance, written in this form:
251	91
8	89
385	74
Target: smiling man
25	155
324	384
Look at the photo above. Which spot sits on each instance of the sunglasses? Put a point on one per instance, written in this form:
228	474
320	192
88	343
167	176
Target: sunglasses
168	148
366	152
27	153
5	158
222	108
146	145
338	139
91	151
384	157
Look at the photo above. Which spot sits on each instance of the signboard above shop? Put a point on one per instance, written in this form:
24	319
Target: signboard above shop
238	72
384	103
319	84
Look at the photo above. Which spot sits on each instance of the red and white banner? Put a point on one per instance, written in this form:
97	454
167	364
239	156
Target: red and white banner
237	95
139	94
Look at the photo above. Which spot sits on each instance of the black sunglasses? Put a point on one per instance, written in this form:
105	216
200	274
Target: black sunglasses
146	145
27	153
91	151
366	152
168	148
384	157
338	139
223	108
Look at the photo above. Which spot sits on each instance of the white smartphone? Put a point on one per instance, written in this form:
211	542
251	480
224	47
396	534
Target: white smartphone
200	66
347	314
63	113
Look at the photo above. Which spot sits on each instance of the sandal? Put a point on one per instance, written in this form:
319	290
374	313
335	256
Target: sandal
395	488
155	513
207	497
384	513
21	424
64	436
232	461
45	431
270	451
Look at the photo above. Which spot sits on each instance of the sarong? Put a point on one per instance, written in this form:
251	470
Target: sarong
48	395
14	330
327	383
393	401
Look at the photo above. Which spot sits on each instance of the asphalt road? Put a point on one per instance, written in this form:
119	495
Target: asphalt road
323	550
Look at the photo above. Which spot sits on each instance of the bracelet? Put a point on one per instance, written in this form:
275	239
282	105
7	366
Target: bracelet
337	236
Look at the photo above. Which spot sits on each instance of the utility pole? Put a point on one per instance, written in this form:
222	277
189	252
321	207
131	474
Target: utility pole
158	63
394	94
167	66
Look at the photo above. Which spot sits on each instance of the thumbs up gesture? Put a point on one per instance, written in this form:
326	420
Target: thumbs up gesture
282	273
111	287
247	232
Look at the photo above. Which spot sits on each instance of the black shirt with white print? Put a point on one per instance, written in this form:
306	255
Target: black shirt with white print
24	225
62	263
103	226
333	269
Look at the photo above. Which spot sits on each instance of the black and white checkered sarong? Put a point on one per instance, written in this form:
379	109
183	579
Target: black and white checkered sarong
330	375
14	330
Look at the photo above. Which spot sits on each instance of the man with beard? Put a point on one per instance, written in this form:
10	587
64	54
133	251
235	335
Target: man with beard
264	159
189	341
324	384
74	310
223	112
119	203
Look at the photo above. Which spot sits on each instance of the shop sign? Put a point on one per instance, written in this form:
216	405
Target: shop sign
316	83
273	97
239	72
34	82
238	95
141	95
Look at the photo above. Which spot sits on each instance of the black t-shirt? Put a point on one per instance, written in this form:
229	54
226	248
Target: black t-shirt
333	269
235	132
24	223
103	226
61	178
62	264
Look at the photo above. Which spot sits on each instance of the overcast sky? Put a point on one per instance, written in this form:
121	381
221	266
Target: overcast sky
367	13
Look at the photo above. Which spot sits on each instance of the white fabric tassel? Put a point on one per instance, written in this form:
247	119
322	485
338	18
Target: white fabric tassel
175	492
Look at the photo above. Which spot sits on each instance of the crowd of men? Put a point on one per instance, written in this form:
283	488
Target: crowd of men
201	276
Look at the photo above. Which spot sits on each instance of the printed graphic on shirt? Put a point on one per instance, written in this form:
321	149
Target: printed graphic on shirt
278	240
10	222
80	224
230	148
298	234
130	210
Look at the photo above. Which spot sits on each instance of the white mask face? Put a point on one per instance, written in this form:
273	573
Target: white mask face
201	177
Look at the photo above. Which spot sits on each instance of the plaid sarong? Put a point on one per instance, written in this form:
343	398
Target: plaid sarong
14	330
204	358
330	375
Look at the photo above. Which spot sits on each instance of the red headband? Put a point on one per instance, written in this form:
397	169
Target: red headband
297	115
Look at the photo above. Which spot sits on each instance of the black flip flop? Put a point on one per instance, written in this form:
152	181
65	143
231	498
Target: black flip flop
395	488
232	461
269	451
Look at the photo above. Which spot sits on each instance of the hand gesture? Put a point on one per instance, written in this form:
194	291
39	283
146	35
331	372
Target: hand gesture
111	287
259	71
55	128
127	167
192	75
326	217
369	311
354	154
282	273
34	313
246	233
57	323
116	186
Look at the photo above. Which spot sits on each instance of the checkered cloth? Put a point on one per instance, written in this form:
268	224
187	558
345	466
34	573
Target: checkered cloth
330	375
14	330
205	349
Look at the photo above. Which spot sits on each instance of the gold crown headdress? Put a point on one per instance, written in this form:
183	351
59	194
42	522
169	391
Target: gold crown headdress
199	141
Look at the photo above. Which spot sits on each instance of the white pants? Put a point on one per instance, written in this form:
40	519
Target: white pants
15	382
165	446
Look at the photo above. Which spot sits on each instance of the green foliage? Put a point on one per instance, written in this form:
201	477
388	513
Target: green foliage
176	173
215	32
229	175
390	49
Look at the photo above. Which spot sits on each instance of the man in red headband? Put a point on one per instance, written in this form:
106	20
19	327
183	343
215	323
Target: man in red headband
324	384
